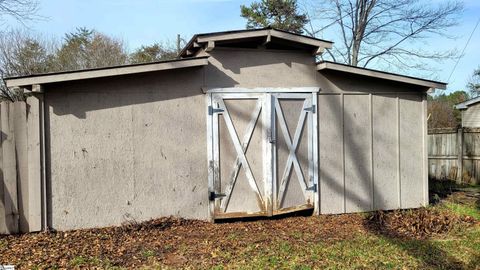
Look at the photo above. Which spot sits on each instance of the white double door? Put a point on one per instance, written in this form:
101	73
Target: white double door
262	153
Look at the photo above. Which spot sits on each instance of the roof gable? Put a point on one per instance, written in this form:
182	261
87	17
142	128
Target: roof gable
267	37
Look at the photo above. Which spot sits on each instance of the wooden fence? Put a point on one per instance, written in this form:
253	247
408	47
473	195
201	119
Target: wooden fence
454	154
20	159
8	171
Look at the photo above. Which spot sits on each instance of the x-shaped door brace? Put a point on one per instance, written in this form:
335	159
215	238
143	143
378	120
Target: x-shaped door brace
292	147
241	149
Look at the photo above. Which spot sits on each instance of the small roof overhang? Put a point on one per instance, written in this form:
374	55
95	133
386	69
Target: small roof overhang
464	105
39	79
262	36
326	65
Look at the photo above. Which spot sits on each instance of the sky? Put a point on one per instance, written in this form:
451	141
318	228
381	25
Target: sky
143	22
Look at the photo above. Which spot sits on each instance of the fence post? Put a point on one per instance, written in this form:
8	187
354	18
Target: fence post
460	155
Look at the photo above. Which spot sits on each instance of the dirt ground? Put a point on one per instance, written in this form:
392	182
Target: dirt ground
175	243
445	236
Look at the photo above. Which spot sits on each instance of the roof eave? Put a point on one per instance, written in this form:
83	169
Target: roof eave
380	74
103	72
464	105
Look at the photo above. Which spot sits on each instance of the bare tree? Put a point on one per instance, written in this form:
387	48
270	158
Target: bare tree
22	53
385	30
20	10
441	115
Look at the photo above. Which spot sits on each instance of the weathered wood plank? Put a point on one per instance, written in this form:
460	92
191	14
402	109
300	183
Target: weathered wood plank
8	171
34	165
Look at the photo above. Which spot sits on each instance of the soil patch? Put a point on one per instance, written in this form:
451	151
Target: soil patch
178	242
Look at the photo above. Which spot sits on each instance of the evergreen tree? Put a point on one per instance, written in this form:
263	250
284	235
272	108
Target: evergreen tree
280	14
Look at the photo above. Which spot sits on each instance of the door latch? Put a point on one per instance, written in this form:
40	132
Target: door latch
212	195
310	109
212	110
312	188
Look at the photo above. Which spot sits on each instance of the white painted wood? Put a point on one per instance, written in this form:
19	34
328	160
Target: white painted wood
272	140
399	180
216	152
292	147
343	155
425	151
315	146
229	96
268	161
267	105
372	167
245	142
210	158
310	146
239	150
3	213
263	90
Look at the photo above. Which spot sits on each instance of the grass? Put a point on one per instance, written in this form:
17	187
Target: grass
459	249
365	251
257	245
462	209
148	253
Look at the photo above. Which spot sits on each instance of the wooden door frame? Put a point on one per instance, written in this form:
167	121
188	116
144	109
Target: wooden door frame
251	93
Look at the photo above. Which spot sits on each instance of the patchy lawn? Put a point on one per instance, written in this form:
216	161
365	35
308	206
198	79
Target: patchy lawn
445	236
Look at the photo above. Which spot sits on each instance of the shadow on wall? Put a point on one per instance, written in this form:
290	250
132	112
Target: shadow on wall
234	61
8	202
78	98
425	251
260	69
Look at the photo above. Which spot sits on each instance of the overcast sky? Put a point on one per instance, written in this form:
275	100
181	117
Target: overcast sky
141	22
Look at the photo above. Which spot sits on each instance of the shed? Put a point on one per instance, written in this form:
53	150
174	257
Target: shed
470	112
247	123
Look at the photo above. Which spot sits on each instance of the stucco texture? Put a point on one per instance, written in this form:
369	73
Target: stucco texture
134	147
127	149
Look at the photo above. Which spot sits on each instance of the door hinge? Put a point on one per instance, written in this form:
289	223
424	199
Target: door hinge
212	195
310	109
313	188
212	110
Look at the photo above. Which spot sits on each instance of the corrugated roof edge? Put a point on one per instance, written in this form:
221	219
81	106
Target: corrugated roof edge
192	40
95	72
322	65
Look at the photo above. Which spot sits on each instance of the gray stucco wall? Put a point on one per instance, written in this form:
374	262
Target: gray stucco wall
471	116
130	148
134	147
